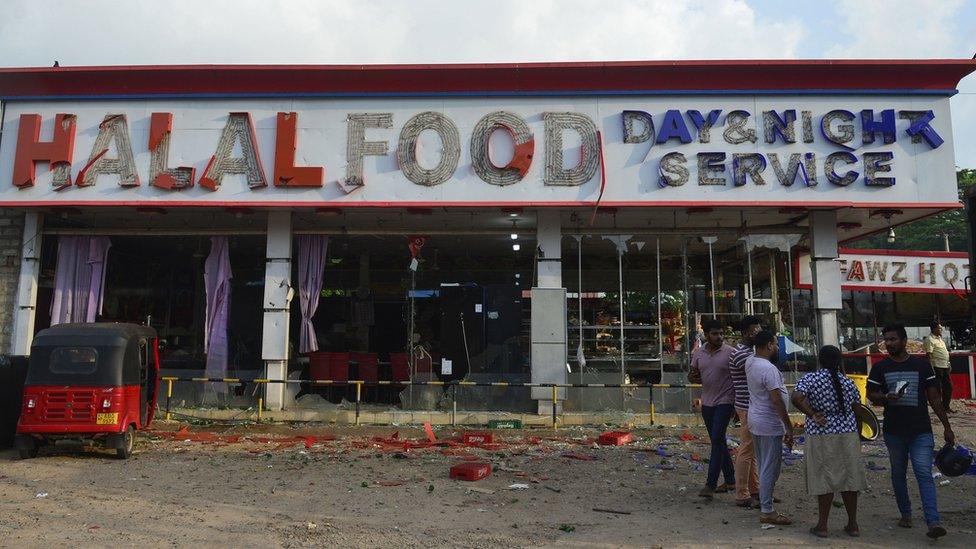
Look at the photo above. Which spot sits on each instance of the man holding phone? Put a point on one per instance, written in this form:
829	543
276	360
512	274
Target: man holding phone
906	386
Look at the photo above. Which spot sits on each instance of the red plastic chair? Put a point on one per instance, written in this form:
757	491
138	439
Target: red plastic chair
318	365
399	367
367	366
338	366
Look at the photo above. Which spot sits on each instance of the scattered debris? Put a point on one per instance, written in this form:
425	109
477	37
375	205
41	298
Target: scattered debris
471	471
505	424
616	438
576	455
41	495
518	486
477	438
429	430
613	511
567	527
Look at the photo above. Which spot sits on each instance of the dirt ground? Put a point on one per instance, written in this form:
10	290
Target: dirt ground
291	486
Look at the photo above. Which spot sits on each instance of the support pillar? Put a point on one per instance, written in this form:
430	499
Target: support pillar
827	296
548	312
277	302
30	268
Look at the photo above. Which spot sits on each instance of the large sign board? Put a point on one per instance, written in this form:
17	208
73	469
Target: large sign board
895	271
831	150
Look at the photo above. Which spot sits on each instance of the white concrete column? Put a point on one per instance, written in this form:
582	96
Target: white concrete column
30	268
549	240
548	311
826	275
277	302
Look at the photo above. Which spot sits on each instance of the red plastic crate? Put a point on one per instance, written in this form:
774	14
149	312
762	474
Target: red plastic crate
471	470
616	438
477	438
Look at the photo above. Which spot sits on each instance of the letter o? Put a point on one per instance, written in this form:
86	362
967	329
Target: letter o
407	148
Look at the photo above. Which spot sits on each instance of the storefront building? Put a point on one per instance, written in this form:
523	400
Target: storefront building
539	222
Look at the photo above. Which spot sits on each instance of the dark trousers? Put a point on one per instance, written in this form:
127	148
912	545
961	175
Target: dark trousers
717	422
945	384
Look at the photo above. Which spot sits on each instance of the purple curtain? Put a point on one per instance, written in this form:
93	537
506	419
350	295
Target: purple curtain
216	278
79	278
311	269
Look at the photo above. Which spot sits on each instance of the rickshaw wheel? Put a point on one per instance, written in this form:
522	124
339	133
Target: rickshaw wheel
128	441
28	454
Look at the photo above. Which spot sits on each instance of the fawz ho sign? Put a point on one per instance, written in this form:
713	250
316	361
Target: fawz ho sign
895	271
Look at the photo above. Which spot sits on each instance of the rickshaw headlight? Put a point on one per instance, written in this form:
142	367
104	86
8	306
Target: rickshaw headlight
106	402
31	403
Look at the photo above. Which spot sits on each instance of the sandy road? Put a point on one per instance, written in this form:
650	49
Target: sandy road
355	491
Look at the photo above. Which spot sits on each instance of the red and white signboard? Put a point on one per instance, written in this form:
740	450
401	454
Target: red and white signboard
633	150
895	271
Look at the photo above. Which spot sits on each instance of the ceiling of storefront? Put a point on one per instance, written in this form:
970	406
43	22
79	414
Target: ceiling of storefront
491	225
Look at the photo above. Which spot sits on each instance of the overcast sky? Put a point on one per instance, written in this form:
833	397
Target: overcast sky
107	32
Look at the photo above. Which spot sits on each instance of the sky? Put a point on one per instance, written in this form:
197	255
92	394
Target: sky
133	32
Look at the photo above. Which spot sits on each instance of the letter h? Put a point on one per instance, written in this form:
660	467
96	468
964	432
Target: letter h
30	148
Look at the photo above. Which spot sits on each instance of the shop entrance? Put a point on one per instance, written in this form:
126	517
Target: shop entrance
466	305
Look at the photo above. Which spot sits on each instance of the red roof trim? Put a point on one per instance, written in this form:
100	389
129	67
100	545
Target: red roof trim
525	78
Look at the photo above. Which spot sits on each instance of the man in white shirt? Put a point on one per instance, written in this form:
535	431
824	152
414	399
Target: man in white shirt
769	422
935	349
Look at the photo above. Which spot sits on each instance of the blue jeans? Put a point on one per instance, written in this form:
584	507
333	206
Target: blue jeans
769	460
717	420
920	449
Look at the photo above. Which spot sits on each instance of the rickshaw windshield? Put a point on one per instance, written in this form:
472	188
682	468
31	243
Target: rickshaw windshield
73	360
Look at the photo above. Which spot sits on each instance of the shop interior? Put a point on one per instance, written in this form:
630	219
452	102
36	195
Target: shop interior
639	283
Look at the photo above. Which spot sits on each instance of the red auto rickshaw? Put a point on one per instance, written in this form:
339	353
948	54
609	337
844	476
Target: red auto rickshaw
92	382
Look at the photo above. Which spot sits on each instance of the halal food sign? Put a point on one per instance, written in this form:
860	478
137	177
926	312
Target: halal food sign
895	271
475	151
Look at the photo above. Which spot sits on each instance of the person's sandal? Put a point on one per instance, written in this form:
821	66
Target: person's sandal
706	492
818	533
724	488
744	503
777	519
853	532
905	522
936	531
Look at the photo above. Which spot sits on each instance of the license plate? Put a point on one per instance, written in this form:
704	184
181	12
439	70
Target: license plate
107	419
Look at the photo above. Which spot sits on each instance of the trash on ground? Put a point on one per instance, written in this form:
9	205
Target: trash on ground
471	470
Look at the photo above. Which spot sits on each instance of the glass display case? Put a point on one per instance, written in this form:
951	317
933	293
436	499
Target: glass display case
605	345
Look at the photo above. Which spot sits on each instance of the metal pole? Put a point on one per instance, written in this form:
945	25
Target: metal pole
454	403
711	271
650	389
579	272
620	284
687	304
554	397
359	388
749	267
789	284
169	395
413	363
660	328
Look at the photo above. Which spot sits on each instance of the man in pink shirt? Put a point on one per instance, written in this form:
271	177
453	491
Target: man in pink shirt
710	367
